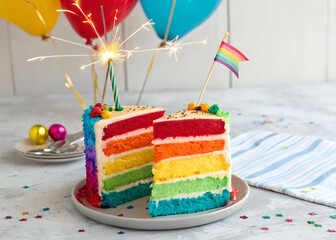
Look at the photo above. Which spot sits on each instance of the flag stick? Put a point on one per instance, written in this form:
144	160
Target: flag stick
211	69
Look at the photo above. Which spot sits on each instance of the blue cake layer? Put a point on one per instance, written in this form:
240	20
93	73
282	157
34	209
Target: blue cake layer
188	205
114	198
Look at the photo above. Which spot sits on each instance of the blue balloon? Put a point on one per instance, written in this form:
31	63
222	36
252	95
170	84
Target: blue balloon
188	14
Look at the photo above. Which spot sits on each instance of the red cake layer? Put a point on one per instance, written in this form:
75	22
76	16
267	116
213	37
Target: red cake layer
188	127
131	124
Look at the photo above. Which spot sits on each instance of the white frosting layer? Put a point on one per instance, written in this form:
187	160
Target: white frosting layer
122	188
128	112
131	134
188	114
219	174
169	140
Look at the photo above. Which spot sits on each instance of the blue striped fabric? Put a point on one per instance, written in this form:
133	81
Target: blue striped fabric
299	166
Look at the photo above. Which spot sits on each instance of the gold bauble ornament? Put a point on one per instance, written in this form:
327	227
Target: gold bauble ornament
38	134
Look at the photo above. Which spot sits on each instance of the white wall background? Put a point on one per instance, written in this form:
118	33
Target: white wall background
286	41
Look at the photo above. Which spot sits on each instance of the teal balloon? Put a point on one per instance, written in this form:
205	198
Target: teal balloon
188	14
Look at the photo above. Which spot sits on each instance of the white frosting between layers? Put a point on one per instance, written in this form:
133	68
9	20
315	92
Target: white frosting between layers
169	140
218	174
131	134
122	188
128	112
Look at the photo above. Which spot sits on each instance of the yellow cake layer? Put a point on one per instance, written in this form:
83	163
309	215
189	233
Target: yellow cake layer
186	167
129	161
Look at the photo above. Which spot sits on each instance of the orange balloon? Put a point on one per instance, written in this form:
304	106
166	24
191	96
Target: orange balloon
24	14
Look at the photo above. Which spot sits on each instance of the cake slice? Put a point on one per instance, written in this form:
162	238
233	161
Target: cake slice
192	159
119	153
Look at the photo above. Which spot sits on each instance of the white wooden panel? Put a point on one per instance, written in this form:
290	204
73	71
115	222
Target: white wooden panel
284	39
6	78
47	76
332	41
194	61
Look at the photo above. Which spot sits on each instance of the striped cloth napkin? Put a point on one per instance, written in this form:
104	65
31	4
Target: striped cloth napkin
299	166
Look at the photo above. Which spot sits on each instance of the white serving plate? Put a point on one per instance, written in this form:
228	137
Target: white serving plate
139	218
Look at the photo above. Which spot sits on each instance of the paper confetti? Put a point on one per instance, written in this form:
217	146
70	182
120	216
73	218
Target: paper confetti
310	222
25	187
279	215
266	217
317	225
331	230
81	230
244	217
120	215
10	217
304	191
46	209
25	213
289	220
312	213
23	219
38	216
264	228
121	232
313	188
130	207
333	216
286	147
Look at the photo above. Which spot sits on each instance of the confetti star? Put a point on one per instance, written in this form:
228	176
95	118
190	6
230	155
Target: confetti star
310	222
305	191
312	213
279	215
333	216
266	217
317	225
81	230
25	187
8	217
331	230
244	217
121	232
289	220
264	228
120	215
130	207
25	213
23	219
46	209
38	216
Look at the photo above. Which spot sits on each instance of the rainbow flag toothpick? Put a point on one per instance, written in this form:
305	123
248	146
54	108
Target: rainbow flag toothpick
230	57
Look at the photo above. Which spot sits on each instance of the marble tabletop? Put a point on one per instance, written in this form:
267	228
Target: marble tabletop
299	109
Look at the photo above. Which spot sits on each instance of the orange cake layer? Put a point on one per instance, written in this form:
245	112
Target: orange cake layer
164	151
129	143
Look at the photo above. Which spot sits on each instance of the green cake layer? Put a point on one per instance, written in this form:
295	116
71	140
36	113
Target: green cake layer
128	177
165	190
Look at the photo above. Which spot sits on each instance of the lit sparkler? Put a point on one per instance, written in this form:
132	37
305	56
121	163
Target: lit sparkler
115	51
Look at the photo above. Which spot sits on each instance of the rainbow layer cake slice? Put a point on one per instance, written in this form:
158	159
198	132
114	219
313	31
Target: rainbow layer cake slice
192	170
119	153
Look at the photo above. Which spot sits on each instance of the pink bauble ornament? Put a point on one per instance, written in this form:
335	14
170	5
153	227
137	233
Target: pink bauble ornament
57	132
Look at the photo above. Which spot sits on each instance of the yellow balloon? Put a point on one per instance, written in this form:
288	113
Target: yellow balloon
23	14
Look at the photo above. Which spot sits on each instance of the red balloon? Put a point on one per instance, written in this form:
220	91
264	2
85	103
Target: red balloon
85	30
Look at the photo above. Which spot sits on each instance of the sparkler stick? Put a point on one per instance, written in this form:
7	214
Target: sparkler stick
156	52
95	81
106	77
211	69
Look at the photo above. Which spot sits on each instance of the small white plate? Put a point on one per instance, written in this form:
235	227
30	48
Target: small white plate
139	218
53	160
25	145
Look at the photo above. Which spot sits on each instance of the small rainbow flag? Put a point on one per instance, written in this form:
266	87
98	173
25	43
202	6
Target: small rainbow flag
229	56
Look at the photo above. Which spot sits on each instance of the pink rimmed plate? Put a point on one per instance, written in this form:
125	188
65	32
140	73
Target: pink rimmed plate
135	215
